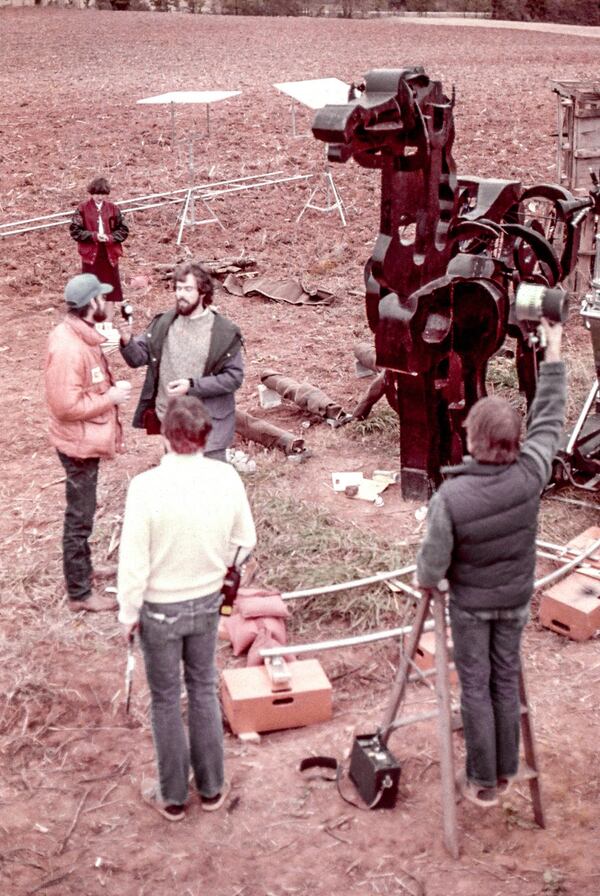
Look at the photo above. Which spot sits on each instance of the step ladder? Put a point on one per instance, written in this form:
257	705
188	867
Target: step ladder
434	600
530	771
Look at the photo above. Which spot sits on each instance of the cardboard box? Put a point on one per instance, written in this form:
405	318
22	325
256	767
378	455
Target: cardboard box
425	654
572	607
585	540
250	704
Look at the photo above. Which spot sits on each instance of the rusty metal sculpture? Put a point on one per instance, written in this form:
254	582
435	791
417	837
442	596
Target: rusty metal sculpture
450	254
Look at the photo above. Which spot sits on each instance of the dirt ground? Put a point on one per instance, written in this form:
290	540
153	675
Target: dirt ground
70	816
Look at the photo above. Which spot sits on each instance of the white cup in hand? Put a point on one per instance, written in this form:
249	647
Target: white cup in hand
121	391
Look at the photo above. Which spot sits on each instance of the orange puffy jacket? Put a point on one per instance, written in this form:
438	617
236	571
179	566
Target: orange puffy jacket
83	421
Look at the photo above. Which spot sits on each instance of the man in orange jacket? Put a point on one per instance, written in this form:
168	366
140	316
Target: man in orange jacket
82	400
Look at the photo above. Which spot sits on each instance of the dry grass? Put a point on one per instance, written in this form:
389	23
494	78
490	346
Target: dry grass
381	425
301	547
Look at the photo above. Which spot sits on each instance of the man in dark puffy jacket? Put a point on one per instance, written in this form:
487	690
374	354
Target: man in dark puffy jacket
481	530
190	350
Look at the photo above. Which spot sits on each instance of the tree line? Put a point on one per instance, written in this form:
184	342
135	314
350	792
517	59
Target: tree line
577	12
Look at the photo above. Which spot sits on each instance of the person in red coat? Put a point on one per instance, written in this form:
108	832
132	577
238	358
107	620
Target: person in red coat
99	231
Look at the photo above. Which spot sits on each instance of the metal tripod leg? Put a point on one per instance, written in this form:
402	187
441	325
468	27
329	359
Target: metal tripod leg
442	686
532	772
443	699
401	681
189	212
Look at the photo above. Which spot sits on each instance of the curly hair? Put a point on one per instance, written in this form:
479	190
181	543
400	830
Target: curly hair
186	424
204	281
99	186
494	431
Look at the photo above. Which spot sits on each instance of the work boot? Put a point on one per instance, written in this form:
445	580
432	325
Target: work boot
95	603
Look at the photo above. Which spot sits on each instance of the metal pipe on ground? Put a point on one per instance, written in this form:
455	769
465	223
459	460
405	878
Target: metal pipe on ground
342	642
355	583
559	573
396	632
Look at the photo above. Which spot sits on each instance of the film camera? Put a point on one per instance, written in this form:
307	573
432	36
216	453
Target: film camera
533	301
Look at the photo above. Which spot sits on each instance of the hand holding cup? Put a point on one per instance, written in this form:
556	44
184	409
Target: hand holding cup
120	392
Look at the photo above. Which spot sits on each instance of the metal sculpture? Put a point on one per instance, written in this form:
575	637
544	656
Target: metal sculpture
450	255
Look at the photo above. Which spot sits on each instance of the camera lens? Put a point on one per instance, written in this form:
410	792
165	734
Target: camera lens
533	301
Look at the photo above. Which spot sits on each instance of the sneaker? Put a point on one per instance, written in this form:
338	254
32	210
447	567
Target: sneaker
95	603
212	803
170	811
485	797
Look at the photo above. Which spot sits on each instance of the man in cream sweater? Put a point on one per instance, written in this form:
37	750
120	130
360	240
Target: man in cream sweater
184	522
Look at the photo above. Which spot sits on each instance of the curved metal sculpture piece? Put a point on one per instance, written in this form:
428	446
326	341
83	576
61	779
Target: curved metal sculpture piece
448	258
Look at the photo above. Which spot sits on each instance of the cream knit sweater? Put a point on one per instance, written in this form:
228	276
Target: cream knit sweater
184	520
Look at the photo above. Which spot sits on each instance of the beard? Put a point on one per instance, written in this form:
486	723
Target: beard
187	308
99	316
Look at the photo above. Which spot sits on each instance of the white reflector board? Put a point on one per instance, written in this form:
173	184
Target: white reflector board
316	93
191	96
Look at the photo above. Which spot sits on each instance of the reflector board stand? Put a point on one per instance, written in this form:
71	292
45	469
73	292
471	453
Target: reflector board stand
188	97
315	94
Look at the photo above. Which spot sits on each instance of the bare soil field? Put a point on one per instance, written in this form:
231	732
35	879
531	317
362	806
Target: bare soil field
71	820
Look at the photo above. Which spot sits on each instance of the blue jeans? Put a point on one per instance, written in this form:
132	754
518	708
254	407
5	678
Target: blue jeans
169	634
487	658
82	480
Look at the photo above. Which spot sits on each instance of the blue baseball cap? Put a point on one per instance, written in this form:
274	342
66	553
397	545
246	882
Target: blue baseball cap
81	289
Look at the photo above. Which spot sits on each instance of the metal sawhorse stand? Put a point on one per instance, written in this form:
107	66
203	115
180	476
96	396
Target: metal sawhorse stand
188	214
325	185
436	601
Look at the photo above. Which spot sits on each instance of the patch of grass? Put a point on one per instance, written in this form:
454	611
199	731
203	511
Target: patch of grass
300	547
382	424
382	420
559	522
323	266
502	376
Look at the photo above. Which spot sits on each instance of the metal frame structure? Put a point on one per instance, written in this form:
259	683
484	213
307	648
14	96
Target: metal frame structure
325	185
205	194
185	196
